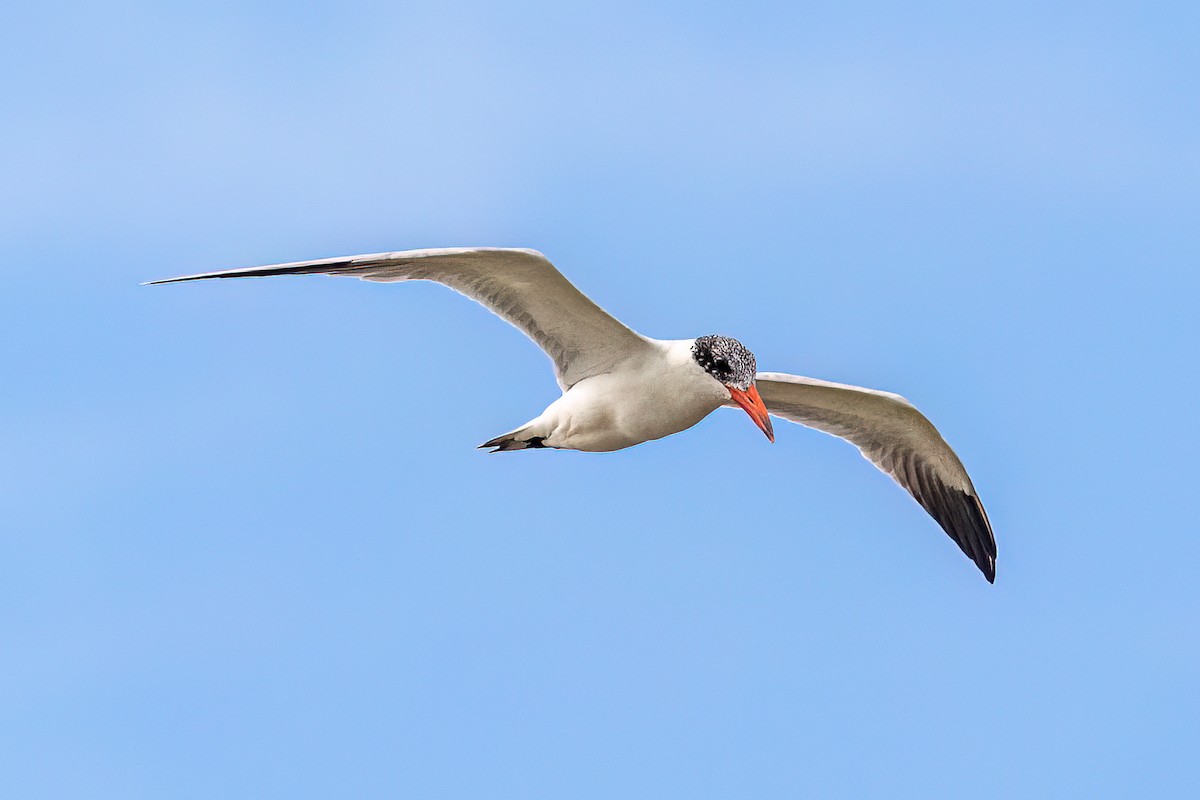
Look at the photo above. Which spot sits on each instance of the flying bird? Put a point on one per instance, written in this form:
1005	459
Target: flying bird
620	388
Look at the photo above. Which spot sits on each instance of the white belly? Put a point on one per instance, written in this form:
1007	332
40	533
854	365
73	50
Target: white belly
621	409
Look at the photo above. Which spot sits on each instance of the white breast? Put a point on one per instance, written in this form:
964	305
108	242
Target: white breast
662	393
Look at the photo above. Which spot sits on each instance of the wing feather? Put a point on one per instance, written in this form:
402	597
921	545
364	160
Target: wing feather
520	286
901	442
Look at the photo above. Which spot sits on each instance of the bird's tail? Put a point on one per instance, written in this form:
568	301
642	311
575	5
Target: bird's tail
517	440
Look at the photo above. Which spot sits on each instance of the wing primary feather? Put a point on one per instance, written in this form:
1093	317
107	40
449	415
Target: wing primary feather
520	286
901	442
332	266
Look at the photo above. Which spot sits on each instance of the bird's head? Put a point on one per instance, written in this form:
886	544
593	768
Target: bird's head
729	362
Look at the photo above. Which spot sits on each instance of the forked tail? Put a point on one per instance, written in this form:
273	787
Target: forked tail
513	441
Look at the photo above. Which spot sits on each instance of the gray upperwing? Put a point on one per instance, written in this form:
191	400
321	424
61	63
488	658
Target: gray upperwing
901	442
520	286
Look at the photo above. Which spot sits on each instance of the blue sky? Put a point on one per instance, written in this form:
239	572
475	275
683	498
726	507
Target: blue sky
251	551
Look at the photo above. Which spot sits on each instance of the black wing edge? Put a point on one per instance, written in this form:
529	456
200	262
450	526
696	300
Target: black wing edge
328	265
961	515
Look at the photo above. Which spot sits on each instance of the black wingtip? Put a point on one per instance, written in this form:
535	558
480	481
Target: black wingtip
180	279
982	529
961	515
975	537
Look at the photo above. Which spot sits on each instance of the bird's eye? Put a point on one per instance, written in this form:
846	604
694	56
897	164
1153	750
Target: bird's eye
721	365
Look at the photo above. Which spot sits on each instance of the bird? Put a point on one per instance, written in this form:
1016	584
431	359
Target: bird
620	388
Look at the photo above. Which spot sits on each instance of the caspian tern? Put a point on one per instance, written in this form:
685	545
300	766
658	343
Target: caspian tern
620	388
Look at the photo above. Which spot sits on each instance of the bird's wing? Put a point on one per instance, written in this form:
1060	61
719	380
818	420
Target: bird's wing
898	439
521	286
